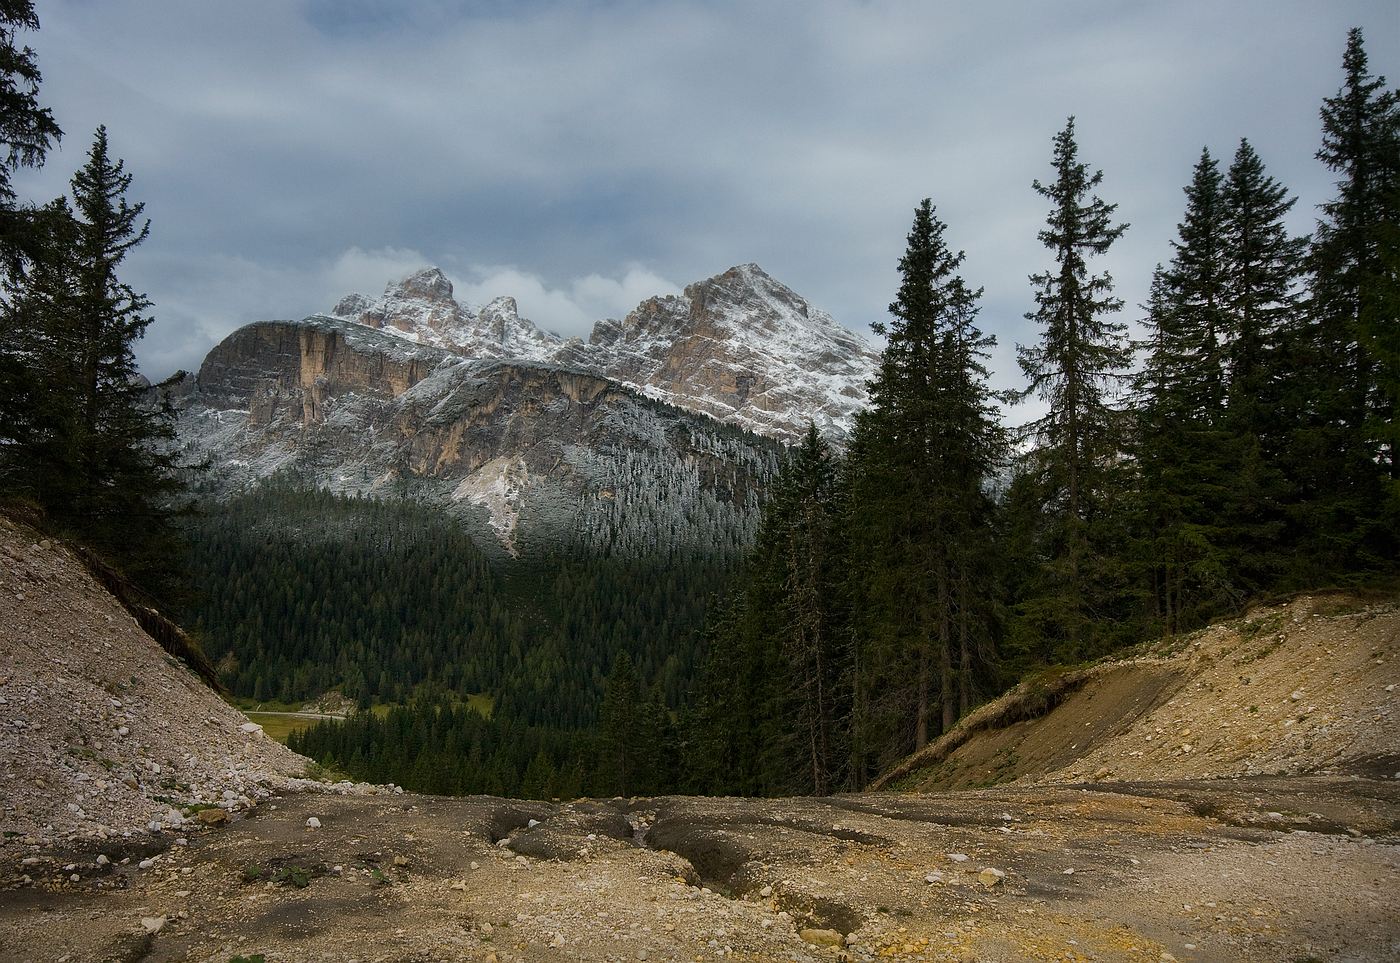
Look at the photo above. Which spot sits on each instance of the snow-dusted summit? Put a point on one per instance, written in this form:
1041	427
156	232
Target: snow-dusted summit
740	346
421	308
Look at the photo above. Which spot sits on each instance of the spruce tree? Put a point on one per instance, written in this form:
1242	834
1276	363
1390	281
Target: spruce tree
1081	357
1179	446
27	130
800	532
620	764
96	454
771	709
1261	298
919	512
1345	451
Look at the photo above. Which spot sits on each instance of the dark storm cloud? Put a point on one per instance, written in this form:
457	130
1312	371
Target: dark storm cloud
582	155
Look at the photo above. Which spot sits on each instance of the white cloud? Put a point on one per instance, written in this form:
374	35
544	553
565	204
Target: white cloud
570	308
291	152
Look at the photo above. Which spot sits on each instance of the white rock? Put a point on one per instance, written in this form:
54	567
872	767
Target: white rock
958	857
153	924
313	823
251	727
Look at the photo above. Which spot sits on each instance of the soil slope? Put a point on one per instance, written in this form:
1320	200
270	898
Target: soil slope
1309	686
102	733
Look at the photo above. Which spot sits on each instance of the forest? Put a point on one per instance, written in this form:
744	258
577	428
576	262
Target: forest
1245	447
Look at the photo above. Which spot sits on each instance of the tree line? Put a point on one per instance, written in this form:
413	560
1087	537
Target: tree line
81	434
1253	452
942	556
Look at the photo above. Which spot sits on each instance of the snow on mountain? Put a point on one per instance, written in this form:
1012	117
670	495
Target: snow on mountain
534	453
744	348
740	346
421	308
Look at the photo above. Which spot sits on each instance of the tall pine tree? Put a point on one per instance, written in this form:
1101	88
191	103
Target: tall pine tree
27	131
1346	447
1081	357
95	454
1263	264
1179	446
920	509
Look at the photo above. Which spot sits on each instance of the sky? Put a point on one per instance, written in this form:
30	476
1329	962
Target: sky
581	156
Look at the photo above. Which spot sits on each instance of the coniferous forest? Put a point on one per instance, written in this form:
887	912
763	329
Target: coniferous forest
1251	453
1242	446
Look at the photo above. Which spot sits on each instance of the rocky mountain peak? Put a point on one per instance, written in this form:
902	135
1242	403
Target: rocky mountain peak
743	289
428	283
740	346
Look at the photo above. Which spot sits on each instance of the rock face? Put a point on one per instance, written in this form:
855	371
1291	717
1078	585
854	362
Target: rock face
529	449
740	347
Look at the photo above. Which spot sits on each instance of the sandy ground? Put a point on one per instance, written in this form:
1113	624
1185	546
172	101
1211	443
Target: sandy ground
1260	869
1310	686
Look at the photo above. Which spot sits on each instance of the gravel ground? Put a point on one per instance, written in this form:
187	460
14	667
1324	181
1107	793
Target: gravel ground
102	734
1264	869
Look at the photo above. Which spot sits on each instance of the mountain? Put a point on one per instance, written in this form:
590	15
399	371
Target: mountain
740	346
420	308
526	449
636	439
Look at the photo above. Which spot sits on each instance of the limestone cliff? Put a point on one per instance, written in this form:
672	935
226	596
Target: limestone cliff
532	450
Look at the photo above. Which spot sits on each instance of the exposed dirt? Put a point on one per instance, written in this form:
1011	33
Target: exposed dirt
1310	686
102	734
1258	869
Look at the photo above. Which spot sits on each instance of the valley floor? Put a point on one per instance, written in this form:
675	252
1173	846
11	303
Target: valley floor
1267	869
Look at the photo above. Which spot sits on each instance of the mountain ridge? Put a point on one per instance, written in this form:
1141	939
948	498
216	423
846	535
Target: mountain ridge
739	346
513	445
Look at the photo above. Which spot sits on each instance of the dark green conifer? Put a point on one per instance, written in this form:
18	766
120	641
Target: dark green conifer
920	509
1179	442
1344	456
1263	265
1082	356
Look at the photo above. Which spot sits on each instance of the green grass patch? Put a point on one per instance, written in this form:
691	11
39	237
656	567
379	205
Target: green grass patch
279	726
482	703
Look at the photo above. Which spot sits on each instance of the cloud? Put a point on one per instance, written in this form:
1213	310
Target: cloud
580	156
207	298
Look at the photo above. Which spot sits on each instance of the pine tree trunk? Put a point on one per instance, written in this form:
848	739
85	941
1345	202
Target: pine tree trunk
921	712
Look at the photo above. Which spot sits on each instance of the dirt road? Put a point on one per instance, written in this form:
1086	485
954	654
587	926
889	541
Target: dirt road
1261	869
